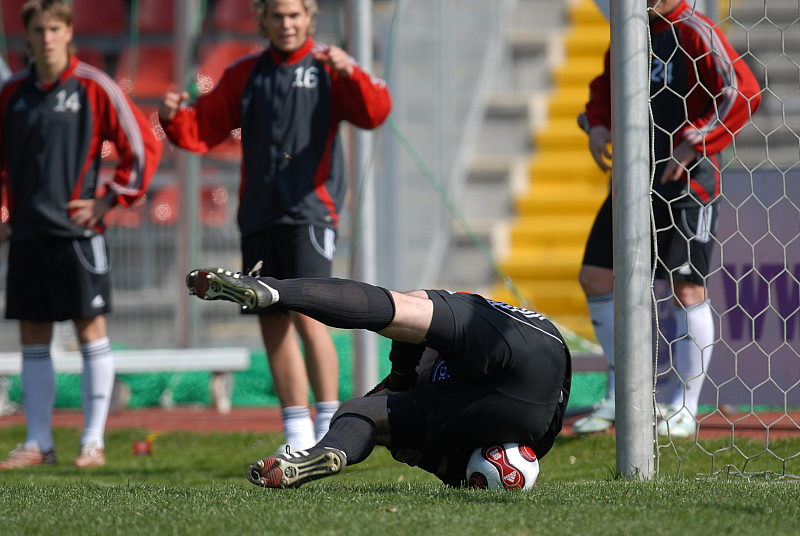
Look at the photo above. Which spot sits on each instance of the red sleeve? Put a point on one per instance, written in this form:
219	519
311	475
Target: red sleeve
729	95
598	109
361	99
124	125
198	128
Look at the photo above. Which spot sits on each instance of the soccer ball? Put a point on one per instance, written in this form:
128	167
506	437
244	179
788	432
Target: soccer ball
503	466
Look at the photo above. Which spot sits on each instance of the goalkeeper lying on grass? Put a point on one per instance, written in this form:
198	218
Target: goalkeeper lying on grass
466	372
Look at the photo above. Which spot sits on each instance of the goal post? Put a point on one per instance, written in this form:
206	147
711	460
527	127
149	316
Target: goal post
632	304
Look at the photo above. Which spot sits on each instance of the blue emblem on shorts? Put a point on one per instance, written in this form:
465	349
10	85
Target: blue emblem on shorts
440	371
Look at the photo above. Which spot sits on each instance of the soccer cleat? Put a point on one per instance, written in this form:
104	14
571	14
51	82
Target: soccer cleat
91	455
27	456
220	284
294	468
680	424
599	420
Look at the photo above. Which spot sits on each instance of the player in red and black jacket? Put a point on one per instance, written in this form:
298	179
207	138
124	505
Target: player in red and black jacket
701	94
288	101
54	118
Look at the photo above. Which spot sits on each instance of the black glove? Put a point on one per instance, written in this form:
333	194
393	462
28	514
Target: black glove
395	382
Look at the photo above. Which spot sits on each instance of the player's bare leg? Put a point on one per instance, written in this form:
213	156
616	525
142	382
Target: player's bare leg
322	364
598	285
289	377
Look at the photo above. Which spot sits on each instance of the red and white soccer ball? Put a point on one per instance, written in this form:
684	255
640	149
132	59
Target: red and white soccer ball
503	466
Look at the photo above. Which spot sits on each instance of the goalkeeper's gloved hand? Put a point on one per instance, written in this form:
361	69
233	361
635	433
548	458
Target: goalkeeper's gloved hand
395	382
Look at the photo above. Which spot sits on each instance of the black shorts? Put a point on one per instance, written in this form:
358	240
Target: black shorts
684	240
498	377
56	279
289	251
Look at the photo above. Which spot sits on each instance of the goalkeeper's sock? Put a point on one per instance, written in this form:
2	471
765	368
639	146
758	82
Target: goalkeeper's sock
339	303
322	421
601	311
692	352
353	434
298	427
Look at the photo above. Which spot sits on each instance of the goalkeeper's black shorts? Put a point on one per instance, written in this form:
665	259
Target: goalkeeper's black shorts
492	373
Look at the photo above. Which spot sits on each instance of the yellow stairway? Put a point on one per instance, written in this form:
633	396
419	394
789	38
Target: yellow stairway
566	187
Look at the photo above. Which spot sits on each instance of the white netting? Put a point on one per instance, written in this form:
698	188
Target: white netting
750	401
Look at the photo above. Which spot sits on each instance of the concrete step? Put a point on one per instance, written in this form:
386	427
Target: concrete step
551	230
561	135
561	200
587	41
781	12
567	103
543	264
586	13
506	125
567	166
578	72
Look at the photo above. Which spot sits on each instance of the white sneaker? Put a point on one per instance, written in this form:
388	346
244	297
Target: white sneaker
601	419
680	424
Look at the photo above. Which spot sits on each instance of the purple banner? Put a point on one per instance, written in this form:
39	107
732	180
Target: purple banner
754	289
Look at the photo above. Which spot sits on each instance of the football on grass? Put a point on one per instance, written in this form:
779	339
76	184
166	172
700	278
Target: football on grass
503	466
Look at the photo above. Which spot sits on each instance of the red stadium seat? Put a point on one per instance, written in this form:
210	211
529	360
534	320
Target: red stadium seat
92	56
215	57
153	74
164	206
156	16
213	206
99	17
12	17
235	16
16	61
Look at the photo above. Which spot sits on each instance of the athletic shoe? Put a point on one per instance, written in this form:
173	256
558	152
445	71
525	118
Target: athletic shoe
680	425
600	420
220	284
91	455
28	455
294	468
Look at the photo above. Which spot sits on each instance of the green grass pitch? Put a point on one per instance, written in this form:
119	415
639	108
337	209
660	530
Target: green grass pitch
194	484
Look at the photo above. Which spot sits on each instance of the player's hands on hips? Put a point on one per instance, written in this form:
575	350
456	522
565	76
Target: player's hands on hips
171	103
683	155
88	212
5	232
599	141
338	59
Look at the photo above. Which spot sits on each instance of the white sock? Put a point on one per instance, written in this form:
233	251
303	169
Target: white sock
98	382
601	311
692	352
298	427
325	411
38	394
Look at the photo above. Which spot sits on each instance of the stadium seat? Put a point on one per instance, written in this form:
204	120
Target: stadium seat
164	209
12	19
164	206
92	56
213	206
129	217
156	16
216	56
235	16
153	73
99	17
16	61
